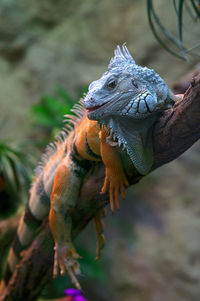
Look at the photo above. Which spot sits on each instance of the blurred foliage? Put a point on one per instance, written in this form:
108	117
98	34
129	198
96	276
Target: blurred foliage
14	177
93	270
191	7
49	113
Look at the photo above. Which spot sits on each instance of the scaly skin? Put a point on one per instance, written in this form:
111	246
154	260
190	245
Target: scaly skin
128	99
121	108
60	180
67	186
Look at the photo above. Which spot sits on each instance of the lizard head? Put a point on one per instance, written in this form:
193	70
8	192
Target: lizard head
127	99
127	90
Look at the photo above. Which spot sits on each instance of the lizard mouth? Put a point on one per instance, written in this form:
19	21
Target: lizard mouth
92	109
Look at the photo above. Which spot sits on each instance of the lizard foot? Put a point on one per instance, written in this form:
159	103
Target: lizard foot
66	260
115	183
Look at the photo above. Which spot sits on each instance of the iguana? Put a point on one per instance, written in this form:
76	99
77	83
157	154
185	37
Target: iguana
120	109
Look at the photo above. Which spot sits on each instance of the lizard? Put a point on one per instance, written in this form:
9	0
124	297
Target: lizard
120	108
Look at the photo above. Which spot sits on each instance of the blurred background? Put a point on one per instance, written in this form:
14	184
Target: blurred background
49	53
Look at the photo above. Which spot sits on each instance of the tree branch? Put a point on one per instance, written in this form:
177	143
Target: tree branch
178	128
175	131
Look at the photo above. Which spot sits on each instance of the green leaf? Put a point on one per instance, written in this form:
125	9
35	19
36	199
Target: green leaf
151	13
65	96
90	267
83	91
13	166
7	175
196	8
50	112
157	25
56	107
41	116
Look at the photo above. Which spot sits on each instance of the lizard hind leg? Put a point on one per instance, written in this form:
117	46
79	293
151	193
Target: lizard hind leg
65	255
99	228
64	195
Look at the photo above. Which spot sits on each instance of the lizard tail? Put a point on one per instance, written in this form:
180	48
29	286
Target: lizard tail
39	203
33	216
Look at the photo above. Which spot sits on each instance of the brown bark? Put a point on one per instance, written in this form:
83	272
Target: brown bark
175	131
7	233
183	83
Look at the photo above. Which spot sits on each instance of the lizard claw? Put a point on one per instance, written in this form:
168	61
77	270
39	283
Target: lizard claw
114	183
66	260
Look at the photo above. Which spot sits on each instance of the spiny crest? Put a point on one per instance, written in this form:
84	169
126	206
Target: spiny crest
122	56
71	122
49	151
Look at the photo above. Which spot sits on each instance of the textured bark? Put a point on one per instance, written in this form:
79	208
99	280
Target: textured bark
7	233
179	128
175	131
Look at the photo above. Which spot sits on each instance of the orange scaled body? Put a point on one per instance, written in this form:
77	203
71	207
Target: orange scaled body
87	142
55	191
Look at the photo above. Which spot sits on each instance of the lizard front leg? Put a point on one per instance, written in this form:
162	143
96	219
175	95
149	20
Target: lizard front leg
63	198
115	178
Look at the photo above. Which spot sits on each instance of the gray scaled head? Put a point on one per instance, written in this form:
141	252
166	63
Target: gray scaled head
127	99
127	89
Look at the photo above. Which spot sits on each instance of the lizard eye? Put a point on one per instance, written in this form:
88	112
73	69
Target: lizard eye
134	83
112	84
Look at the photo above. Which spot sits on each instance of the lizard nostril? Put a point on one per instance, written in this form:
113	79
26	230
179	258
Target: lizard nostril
91	98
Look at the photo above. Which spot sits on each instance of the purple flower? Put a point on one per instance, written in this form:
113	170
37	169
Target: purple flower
72	292
79	298
75	293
